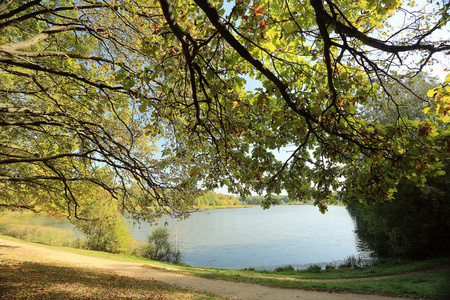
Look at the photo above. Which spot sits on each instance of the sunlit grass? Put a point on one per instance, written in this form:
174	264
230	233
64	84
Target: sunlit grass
17	225
434	285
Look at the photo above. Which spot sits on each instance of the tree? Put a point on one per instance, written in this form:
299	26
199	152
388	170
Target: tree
406	104
67	126
415	224
178	70
318	63
159	247
108	231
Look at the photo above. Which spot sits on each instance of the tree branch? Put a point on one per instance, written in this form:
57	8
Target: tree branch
4	5
45	11
36	67
213	16
39	37
325	19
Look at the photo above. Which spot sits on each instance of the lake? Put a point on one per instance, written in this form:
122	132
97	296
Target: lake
297	235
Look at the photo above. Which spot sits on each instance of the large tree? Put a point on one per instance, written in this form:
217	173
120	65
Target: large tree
416	222
114	72
69	131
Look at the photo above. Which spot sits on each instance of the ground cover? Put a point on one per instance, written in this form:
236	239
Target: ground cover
27	275
424	279
27	280
421	285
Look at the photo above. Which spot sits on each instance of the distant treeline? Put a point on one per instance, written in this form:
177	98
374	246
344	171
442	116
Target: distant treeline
215	199
282	199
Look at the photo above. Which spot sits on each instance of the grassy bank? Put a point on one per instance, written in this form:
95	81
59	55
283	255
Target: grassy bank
20	225
429	279
425	286
402	282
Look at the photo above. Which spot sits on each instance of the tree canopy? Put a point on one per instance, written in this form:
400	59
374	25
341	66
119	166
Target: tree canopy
88	87
71	133
416	223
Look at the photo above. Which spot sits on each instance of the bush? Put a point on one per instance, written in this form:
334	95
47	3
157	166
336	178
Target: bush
314	268
159	248
288	268
109	235
355	262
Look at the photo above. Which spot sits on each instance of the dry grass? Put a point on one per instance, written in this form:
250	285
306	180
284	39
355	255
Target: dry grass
30	277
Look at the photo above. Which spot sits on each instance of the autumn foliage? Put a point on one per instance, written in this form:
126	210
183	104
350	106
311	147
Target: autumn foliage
90	90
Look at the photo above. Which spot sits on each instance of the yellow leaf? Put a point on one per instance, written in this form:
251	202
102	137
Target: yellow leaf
446	119
431	92
271	47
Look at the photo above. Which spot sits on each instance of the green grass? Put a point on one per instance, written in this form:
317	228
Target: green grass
389	267
434	285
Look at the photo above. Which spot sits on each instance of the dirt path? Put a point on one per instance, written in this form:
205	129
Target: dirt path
233	290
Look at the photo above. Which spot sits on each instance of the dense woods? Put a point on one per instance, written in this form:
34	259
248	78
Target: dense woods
415	225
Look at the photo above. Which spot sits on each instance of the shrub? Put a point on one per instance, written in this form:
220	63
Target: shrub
355	262
314	268
159	247
288	268
109	235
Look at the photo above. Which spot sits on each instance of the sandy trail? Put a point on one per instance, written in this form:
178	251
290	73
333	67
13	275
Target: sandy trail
233	290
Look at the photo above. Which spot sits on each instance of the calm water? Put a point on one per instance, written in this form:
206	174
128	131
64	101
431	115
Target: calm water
252	237
296	235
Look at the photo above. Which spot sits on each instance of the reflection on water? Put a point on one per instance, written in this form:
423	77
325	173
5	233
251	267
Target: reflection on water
252	237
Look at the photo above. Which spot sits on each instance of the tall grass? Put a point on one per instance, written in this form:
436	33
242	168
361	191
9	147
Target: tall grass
12	224
108	238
